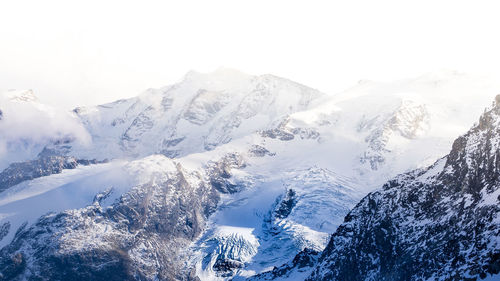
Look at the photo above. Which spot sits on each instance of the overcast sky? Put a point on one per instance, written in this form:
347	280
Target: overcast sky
85	52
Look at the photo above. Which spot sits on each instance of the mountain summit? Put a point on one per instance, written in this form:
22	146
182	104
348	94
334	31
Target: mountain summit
197	114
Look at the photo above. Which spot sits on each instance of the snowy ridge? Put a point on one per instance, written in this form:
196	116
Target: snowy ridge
197	114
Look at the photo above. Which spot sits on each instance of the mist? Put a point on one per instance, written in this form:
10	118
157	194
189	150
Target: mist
26	126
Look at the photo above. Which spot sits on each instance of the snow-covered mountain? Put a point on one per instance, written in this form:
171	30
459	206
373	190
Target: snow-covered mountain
437	223
197	114
221	176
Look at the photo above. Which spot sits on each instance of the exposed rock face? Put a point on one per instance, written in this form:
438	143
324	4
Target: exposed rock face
302	262
220	173
225	267
285	132
259	151
142	236
278	133
439	223
286	205
43	166
204	106
409	121
4	229
140	125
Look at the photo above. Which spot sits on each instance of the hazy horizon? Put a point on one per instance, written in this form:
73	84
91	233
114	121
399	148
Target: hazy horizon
93	52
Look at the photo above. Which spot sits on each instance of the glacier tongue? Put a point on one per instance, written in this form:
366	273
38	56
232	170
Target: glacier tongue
274	216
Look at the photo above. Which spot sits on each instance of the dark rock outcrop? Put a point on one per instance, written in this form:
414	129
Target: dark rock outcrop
302	262
286	205
220	174
259	151
40	167
226	267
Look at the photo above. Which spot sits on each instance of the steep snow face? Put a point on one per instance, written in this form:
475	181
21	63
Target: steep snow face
26	127
439	223
197	114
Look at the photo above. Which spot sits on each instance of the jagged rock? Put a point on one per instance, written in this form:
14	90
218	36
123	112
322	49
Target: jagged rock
303	261
204	106
146	234
205	110
286	205
306	133
284	132
278	133
43	166
140	237
220	173
4	230
19	172
259	151
226	267
409	120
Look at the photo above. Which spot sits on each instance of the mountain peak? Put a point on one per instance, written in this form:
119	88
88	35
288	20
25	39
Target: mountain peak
220	74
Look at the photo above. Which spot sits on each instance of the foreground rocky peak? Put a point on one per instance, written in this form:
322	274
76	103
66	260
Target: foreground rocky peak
440	223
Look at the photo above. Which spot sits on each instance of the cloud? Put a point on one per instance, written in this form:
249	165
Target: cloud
27	126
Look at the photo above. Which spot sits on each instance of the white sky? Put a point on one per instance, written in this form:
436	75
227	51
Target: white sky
85	52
